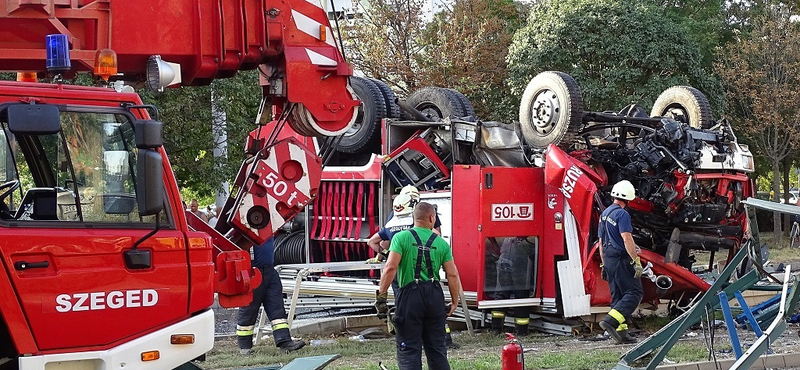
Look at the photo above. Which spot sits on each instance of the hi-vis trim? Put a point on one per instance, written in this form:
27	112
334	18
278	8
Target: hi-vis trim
319	59
311	27
111	300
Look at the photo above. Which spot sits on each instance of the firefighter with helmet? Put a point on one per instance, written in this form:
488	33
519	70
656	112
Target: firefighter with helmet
620	263
401	219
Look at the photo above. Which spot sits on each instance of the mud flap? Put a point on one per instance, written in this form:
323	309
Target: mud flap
235	279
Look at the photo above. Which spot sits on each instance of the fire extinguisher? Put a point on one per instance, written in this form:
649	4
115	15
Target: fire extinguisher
512	357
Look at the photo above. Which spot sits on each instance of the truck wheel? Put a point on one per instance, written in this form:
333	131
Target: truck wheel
364	134
551	111
685	104
465	104
436	103
389	99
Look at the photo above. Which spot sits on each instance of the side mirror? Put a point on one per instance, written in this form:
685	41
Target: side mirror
149	182
34	119
148	133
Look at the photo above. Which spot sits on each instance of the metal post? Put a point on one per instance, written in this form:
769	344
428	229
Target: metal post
726	312
219	125
749	314
669	335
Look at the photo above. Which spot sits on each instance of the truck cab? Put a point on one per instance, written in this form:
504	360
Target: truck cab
94	242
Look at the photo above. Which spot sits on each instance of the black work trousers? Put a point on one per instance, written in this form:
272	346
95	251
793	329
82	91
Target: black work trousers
269	294
419	319
626	291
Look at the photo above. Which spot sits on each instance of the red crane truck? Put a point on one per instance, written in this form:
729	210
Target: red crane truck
100	268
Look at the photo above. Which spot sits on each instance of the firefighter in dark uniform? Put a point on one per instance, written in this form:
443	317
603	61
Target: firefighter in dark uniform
620	266
270	294
513	276
415	256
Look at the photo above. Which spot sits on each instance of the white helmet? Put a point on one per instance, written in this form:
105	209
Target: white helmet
410	190
623	190
403	204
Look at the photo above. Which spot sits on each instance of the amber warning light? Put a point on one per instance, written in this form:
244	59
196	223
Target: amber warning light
26	77
150	356
181	339
105	63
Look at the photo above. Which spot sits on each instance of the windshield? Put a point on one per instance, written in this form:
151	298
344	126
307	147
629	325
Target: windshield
84	173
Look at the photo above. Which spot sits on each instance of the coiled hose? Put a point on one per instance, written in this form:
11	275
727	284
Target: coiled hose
290	248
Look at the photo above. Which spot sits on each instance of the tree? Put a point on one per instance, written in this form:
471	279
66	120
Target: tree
618	51
383	41
706	22
188	135
761	86
465	49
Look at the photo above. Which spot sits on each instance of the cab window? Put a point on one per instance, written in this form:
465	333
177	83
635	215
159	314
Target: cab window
86	173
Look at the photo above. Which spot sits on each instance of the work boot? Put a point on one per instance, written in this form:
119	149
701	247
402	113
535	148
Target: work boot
292	345
448	340
498	321
521	330
626	337
611	329
246	351
521	325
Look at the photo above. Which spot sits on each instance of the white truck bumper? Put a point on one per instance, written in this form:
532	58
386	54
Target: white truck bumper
128	356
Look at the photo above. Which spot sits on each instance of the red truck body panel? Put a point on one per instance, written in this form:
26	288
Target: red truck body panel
86	299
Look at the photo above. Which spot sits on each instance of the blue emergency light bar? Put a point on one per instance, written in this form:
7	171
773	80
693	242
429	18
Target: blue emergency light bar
57	53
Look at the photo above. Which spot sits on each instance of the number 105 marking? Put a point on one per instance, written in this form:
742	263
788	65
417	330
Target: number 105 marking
512	212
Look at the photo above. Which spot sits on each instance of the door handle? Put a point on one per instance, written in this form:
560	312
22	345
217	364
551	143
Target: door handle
23	265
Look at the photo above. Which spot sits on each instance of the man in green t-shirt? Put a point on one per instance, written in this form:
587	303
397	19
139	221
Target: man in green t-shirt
415	256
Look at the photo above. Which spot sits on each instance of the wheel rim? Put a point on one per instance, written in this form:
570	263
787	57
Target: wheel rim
677	112
430	110
545	112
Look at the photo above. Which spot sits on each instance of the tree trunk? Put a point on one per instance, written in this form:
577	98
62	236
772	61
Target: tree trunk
776	190
787	164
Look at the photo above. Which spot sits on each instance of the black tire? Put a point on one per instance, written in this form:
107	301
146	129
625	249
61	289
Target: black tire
465	104
685	104
551	111
436	102
389	99
364	135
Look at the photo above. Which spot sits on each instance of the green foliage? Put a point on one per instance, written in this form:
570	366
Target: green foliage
761	86
188	129
619	52
466	48
383	41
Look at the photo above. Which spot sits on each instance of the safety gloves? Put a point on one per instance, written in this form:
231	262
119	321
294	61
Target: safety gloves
637	268
603	273
381	305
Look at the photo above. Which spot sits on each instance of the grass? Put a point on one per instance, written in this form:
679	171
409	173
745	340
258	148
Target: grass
480	352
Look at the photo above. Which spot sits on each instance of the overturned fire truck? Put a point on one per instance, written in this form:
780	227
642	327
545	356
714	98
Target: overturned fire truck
520	203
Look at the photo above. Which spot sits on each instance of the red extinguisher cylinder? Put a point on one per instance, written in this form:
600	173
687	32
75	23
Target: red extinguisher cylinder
511	356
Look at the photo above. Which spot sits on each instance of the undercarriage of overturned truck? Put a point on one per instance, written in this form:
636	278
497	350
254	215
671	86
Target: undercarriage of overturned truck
536	189
690	182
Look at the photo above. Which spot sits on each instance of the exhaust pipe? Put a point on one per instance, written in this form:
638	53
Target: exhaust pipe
663	284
